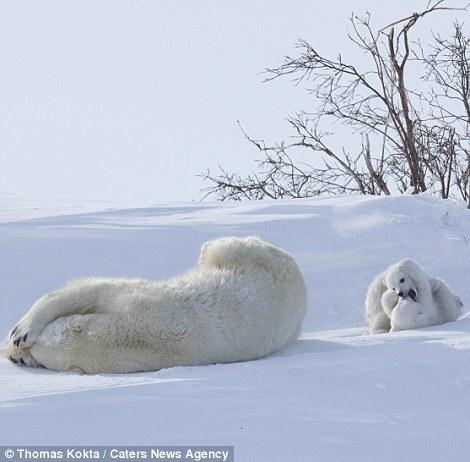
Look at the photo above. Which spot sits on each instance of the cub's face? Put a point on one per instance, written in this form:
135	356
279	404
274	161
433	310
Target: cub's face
401	283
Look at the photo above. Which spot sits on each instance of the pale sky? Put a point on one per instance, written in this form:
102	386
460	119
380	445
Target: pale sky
130	100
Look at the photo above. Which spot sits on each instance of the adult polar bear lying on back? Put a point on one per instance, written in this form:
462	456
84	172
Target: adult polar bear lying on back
404	297
244	300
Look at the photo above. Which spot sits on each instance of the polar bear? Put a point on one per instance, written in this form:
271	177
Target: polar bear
244	300
404	297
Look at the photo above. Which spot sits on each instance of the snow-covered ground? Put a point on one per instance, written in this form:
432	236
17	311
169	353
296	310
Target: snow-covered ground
339	394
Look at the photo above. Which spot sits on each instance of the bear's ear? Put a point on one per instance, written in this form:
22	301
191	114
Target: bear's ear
411	267
407	262
415	271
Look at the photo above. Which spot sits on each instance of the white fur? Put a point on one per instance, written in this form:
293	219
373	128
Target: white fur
244	300
389	308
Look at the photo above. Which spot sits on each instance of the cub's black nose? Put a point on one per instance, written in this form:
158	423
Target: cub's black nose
400	294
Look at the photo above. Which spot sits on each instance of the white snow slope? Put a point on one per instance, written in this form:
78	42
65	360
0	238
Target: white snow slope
339	394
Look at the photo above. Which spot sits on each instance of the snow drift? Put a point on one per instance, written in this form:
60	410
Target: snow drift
338	394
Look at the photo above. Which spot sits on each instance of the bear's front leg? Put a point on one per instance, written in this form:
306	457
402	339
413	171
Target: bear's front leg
25	332
389	301
407	315
22	357
80	298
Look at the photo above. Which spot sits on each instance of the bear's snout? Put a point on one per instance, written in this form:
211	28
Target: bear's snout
412	294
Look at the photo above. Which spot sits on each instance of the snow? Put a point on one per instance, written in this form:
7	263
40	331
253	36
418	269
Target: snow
338	394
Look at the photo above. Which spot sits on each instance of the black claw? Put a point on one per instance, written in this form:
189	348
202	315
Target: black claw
25	336
13	360
13	331
22	362
16	342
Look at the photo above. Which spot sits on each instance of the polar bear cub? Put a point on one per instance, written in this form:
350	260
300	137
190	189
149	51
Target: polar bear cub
244	300
404	297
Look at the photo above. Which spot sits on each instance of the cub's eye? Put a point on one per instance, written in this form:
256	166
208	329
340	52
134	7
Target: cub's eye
402	280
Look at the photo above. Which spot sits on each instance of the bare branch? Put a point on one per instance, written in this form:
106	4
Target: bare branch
398	137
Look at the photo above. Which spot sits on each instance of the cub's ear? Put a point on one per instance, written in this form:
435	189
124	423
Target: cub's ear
408	265
407	261
412	268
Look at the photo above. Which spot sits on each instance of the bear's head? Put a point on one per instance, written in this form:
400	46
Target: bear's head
408	280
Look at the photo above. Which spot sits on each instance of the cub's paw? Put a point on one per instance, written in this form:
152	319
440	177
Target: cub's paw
23	358
389	302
